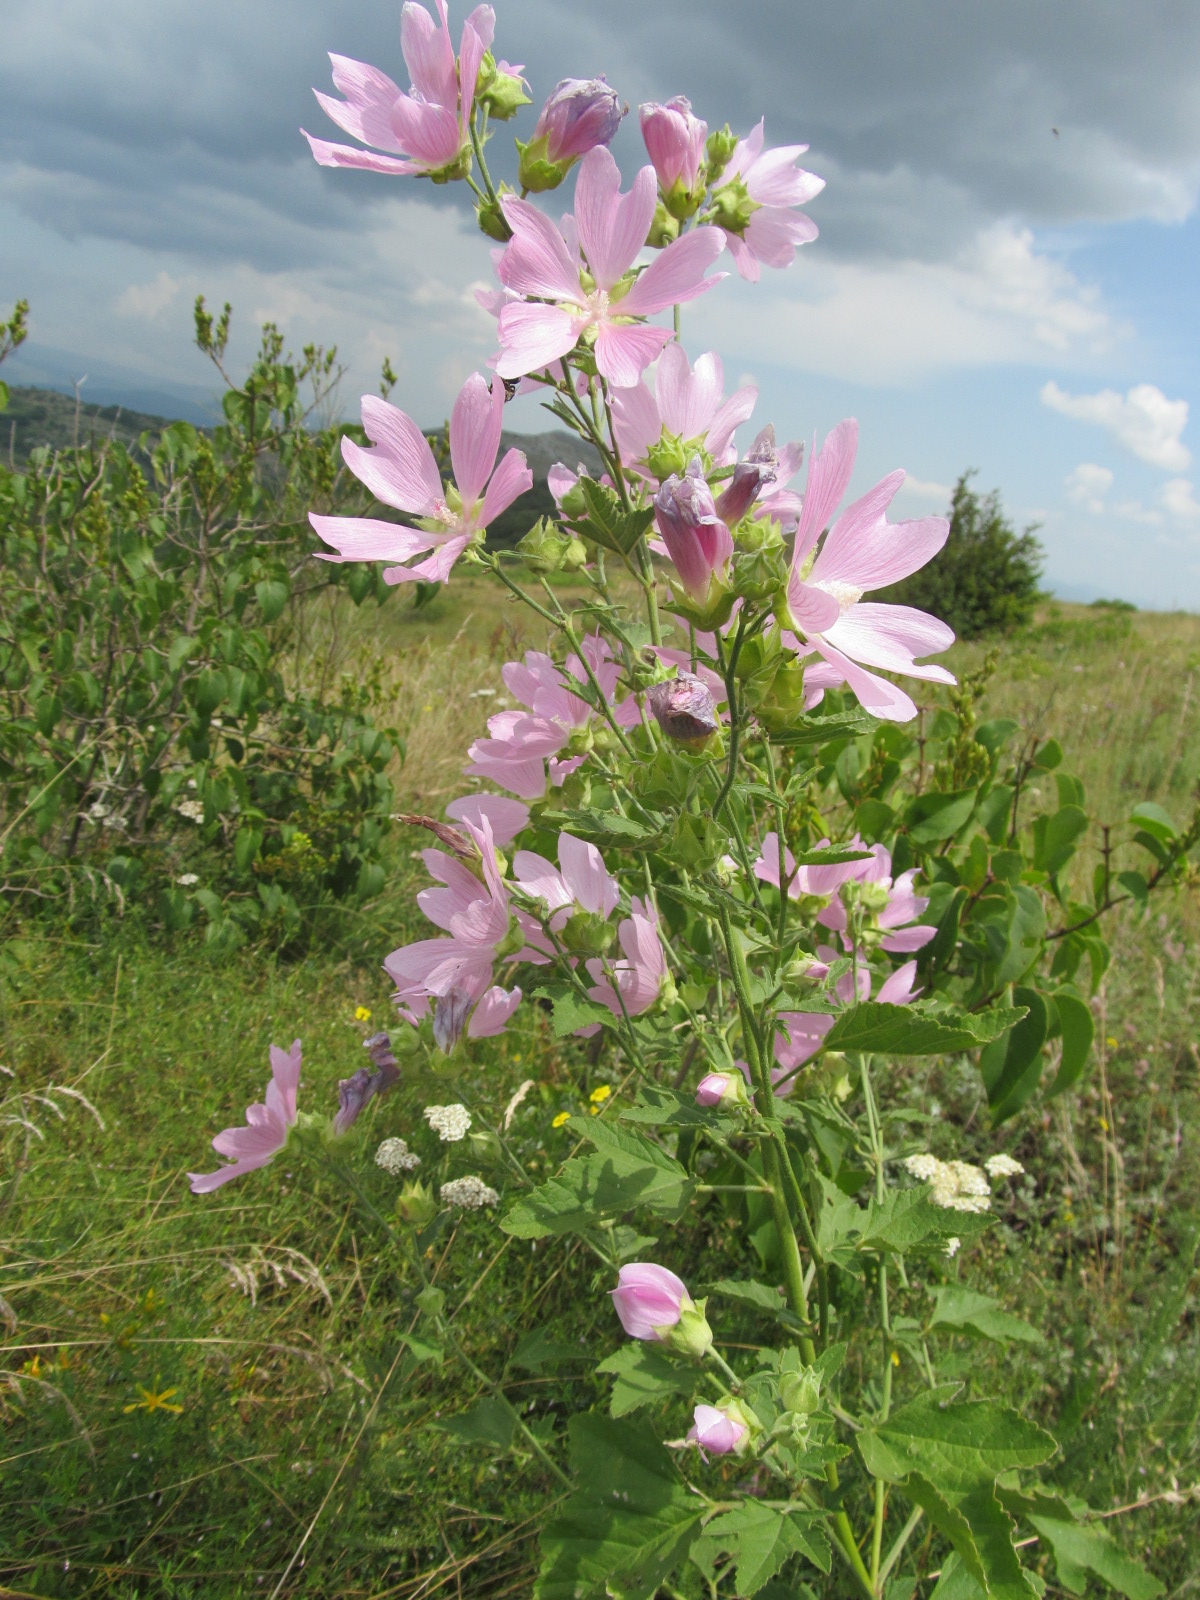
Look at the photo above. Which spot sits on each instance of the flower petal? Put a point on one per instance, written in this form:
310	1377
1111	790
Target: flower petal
829	472
624	352
365	539
475	425
677	274
877	695
891	637
536	259
532	336
402	459
612	227
345	155
511	479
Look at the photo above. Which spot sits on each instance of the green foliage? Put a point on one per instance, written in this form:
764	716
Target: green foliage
162	718
986	578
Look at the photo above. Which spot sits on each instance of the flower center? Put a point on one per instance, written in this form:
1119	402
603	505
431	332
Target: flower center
845	594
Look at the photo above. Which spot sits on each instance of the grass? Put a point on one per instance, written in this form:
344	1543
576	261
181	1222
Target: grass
308	1456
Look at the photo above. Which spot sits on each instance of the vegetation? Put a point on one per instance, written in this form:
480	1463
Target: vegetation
986	578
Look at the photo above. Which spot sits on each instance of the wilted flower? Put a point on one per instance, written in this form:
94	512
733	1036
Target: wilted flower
395	1157
267	1127
450	1123
358	1090
470	1193
683	707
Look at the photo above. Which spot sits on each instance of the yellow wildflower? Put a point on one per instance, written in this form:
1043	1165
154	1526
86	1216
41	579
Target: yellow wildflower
563	1116
153	1400
361	1014
600	1095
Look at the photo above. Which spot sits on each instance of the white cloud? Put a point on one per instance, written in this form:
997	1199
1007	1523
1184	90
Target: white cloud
1178	500
1144	421
926	490
148	300
1087	486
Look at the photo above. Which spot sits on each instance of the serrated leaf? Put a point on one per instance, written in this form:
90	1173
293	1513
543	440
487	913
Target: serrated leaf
758	1295
670	1108
1080	1549
824	730
625	1170
761	1538
604	827
958	1307
572	1012
424	1349
538	1349
907	1217
490	1422
905	1031
644	1375
629	1522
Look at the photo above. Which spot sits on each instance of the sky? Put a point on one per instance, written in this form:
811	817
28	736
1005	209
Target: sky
1005	278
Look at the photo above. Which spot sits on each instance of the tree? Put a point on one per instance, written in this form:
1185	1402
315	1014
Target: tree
986	578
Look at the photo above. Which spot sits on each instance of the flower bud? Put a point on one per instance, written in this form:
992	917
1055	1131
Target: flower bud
500	88
719	148
750	477
684	708
697	541
722	1089
579	114
664	229
654	1304
545	548
801	1391
675	141
416	1205
724	1429
492	221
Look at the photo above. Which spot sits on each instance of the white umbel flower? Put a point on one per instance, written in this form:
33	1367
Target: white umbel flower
1003	1167
450	1123
924	1167
953	1185
193	810
470	1193
395	1157
952	1247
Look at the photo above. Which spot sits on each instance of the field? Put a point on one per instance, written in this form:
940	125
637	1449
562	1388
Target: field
209	1397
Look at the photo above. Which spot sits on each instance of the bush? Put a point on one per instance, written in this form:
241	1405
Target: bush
986	578
167	725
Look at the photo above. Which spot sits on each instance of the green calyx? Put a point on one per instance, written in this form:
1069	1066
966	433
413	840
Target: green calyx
546	548
732	206
502	94
670	456
718	149
691	1335
535	171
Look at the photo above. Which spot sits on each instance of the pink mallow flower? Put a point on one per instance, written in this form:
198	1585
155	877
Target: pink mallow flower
675	142
456	973
520	743
860	552
649	1300
583	883
267	1126
542	267
697	541
401	471
641	977
717	1430
809	880
687	404
891	904
429	129
755	200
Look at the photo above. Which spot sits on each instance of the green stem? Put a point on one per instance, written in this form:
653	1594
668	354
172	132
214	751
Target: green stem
897	1549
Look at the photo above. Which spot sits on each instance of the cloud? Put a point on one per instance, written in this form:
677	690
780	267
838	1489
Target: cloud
1144	421
918	489
148	300
1087	486
1178	500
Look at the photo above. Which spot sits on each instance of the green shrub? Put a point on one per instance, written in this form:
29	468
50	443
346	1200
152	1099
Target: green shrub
169	733
986	578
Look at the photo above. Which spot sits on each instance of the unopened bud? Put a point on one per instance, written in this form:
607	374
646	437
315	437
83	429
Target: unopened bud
492	221
801	1391
718	149
416	1205
697	541
545	548
579	114
722	1089
684	708
500	88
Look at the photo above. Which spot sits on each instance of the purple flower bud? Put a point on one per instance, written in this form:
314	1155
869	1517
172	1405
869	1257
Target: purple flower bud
683	707
355	1092
580	114
674	142
697	541
750	478
715	1431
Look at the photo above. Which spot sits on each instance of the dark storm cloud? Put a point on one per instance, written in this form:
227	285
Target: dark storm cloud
174	125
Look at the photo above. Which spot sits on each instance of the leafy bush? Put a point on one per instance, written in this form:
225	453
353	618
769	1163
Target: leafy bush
169	730
986	578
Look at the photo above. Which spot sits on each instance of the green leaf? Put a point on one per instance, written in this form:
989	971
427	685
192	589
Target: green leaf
1078	1028
824	730
830	856
1079	1550
761	1538
182	649
930	818
625	1170
670	1108
272	596
946	1456
424	1349
1054	838
629	1522
609	524
644	1375
539	1349
604	827
958	1307
490	1422
905	1031
907	1218
1155	821
1012	1066
572	1011
751	1293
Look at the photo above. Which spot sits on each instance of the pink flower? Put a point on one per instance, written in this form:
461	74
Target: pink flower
860	552
675	143
820	881
755	200
267	1126
649	1299
697	541
889	904
401	471
506	818
642	975
542	265
583	882
716	1432
579	115
520	743
687	403
428	129
721	1088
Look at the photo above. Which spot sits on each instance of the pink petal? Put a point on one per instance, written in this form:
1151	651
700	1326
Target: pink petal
773	235
829	472
475	425
890	637
612	227
536	260
492	1013
744	258
898	989
676	274
624	352
206	1182
777	181
877	695
285	1078
541	878
905	940
812	610
429	54
430	133
507	818
402	453
365	539
637	420
729	417
258	1141
586	876
520	775
366	111
345	155
436	569
688	396
532	336
477	34
511	479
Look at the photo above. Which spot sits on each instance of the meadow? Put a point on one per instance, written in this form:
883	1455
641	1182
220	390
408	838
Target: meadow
213	1397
